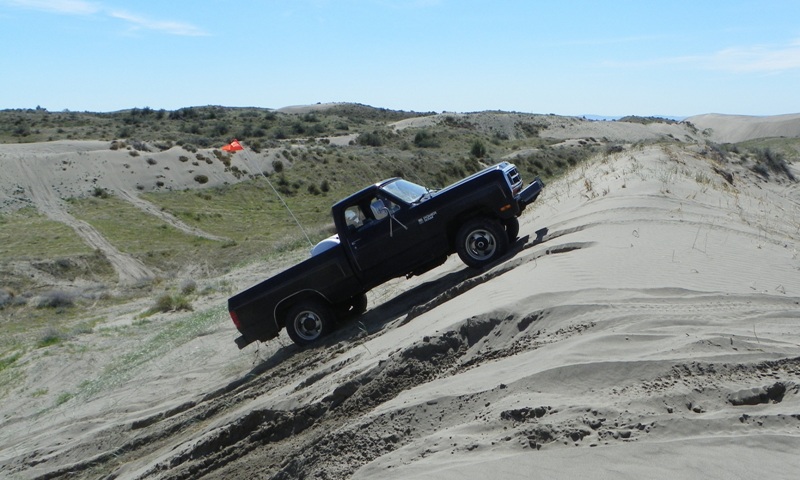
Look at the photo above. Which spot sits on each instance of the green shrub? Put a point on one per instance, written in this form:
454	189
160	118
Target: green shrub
478	149
64	398
50	336
55	299
171	303
188	286
425	139
201	179
100	192
370	139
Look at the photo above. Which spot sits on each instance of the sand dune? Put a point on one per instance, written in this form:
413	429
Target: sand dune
644	326
739	128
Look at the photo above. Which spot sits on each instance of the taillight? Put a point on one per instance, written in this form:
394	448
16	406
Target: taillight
235	319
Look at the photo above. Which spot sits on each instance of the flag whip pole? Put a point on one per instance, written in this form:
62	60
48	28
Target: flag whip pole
236	146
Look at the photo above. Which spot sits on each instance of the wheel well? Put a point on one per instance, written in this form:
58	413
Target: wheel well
282	308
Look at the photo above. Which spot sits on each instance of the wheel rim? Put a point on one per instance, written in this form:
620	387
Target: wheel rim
308	325
480	244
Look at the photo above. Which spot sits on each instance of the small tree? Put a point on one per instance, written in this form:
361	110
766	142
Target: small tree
478	149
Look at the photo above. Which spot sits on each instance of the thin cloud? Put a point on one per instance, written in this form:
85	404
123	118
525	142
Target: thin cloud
172	28
754	59
73	7
137	22
758	59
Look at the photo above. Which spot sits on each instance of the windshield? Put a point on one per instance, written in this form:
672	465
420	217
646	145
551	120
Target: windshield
406	191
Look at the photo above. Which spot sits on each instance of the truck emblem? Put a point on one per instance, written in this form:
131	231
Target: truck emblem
427	218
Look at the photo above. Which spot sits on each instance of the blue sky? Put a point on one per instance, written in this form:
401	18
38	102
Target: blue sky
567	57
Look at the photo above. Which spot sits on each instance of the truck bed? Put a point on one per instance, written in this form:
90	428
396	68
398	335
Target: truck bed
329	274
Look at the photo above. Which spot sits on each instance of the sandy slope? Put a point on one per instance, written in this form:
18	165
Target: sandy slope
649	332
739	128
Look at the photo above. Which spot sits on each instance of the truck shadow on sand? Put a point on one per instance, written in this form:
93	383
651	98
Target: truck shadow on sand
413	302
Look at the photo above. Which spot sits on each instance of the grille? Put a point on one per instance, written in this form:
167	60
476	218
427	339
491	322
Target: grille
514	180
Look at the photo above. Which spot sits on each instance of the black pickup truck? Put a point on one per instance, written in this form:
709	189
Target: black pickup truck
391	229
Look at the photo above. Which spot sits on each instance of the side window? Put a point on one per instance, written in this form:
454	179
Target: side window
354	217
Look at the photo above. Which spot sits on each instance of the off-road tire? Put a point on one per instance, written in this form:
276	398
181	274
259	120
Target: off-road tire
353	307
512	229
481	241
309	321
359	304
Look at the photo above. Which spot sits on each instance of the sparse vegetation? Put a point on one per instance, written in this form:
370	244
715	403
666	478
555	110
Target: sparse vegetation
55	299
188	287
769	160
50	336
8	361
171	303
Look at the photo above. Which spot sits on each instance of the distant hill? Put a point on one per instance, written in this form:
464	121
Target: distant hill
739	128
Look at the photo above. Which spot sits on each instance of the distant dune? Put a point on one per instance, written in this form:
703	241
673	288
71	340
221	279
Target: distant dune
740	128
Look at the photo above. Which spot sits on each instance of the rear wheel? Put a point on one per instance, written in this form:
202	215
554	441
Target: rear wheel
353	307
480	241
359	304
309	321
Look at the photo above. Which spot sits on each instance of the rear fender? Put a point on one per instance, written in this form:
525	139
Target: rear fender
284	305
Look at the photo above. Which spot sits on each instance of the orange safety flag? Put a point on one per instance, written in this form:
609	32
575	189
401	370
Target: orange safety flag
233	146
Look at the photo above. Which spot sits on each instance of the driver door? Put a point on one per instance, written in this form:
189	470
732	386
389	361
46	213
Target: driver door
383	245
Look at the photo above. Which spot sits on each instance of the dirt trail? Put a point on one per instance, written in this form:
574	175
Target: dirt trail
42	195
166	217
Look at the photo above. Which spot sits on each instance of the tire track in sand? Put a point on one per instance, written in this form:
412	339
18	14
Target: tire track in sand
166	217
129	269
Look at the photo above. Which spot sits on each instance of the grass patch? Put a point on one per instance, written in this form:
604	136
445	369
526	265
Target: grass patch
50	336
64	398
39	393
144	236
9	360
27	234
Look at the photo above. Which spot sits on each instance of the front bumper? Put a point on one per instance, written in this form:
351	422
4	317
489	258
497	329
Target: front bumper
530	193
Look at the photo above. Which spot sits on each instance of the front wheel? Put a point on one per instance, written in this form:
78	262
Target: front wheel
309	321
480	241
512	229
